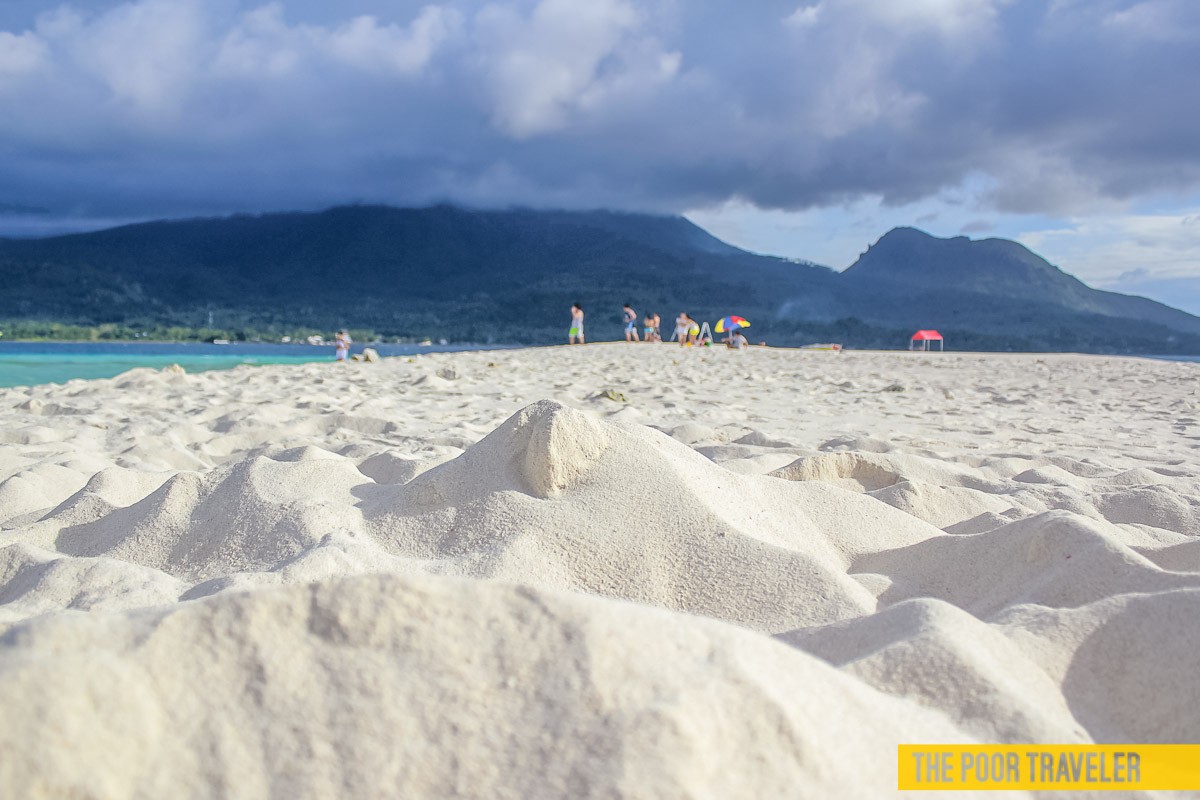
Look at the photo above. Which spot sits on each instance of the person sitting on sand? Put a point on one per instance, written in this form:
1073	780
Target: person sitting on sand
631	334
576	330
736	340
341	345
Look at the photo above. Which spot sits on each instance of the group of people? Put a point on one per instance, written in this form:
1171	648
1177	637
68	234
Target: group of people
650	325
687	331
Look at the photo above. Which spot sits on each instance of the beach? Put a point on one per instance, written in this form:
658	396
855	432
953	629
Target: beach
612	570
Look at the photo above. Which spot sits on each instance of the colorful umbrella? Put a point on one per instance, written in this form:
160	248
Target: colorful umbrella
731	323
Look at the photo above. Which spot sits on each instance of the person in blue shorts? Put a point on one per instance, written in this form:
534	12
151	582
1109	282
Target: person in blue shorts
631	332
650	328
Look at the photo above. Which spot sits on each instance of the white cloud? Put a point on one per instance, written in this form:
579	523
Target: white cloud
950	18
859	93
61	22
145	53
365	43
263	43
21	53
1032	177
1108	250
805	16
901	18
1156	20
857	45
563	57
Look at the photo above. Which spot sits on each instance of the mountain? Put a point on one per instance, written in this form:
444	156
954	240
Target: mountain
511	276
467	275
909	265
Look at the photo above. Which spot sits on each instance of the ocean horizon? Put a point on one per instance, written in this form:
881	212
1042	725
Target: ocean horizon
34	363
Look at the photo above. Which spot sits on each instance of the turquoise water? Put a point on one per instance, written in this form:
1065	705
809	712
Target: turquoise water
31	363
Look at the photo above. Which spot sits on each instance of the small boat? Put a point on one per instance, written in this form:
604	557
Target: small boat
220	341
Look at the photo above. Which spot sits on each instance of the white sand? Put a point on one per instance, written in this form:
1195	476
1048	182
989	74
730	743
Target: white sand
602	571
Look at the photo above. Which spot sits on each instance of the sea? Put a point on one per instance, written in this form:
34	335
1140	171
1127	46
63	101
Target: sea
31	363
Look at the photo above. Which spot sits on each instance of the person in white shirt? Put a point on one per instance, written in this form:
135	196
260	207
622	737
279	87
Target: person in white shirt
576	330
341	345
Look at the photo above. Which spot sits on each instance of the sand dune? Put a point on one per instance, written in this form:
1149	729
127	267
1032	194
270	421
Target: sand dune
602	571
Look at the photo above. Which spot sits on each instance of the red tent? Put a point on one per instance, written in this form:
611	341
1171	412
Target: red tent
925	337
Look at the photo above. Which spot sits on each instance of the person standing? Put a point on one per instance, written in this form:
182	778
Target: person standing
631	334
341	345
576	330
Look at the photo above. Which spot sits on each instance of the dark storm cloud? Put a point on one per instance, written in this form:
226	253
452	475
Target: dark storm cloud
169	107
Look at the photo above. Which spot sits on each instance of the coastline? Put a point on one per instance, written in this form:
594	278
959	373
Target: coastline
680	561
33	363
21	363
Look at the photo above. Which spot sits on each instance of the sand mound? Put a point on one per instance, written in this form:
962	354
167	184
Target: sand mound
944	658
250	515
1122	678
1183	557
853	470
552	497
342	689
543	450
34	581
35	490
1156	506
943	506
558	499
870	472
1055	559
392	468
1050	475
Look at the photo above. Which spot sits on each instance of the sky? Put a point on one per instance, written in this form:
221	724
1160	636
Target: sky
805	128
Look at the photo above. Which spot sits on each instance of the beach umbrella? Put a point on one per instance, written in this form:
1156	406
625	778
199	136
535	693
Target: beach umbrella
731	323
